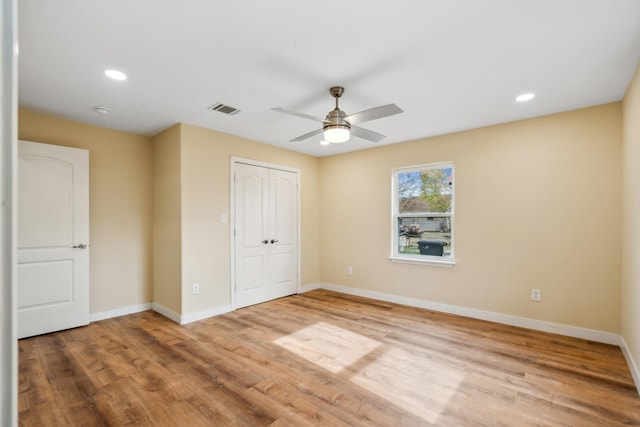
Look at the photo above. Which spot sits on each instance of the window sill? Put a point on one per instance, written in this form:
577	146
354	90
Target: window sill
416	261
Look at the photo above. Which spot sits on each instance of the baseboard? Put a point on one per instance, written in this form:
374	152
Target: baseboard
635	372
538	325
102	315
311	287
166	312
215	311
183	319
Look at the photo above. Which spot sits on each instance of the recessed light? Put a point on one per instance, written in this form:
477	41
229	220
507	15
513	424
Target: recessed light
115	74
101	110
525	97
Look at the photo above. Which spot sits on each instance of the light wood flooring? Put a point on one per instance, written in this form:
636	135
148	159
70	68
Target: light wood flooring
320	359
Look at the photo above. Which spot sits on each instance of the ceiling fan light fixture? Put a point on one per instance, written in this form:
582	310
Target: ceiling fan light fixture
336	134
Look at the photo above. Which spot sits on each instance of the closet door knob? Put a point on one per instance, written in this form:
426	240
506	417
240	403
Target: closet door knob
265	241
273	241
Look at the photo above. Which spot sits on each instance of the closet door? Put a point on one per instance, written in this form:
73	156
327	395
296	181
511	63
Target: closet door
283	232
266	234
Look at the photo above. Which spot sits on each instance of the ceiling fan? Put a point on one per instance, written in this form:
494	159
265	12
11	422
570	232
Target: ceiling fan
337	126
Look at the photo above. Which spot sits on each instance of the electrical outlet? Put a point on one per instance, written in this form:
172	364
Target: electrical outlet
349	271
196	289
535	294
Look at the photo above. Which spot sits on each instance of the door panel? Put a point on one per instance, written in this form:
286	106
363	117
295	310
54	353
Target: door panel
266	203
45	220
59	289
254	206
251	190
283	227
53	217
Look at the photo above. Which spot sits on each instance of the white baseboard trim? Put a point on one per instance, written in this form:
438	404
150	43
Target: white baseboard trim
183	319
538	325
311	287
215	311
166	312
102	315
635	372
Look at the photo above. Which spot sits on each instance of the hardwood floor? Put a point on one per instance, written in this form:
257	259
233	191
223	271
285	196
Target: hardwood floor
321	358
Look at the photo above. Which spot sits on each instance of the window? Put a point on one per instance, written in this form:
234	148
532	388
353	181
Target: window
423	211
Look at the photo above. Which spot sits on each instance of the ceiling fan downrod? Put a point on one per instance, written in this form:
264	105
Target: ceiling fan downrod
336	92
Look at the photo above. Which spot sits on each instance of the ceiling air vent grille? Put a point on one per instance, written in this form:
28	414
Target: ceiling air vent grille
224	109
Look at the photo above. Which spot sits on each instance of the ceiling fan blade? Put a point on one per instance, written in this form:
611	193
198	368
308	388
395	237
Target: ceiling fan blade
307	135
367	134
374	113
295	113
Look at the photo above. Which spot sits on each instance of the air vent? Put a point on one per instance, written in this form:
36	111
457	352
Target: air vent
224	109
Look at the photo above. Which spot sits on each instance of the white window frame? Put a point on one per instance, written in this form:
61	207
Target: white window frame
396	255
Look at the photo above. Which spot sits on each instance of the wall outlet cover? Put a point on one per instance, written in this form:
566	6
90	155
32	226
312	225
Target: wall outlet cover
535	295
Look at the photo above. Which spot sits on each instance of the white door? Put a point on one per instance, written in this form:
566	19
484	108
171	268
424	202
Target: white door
53	238
283	233
251	234
266	234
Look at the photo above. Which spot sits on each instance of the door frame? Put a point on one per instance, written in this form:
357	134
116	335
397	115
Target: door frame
232	218
8	214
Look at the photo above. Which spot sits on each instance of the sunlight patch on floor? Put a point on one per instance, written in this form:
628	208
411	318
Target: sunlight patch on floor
328	346
414	382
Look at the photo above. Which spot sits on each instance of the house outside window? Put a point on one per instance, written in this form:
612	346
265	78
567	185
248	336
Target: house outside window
423	214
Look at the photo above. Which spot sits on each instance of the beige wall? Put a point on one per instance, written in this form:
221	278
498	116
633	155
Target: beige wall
538	205
205	185
120	174
631	221
155	210
167	247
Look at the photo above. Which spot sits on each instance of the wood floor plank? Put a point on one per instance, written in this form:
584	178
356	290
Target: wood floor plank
321	358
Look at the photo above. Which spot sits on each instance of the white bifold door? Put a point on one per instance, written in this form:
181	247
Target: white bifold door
53	238
266	234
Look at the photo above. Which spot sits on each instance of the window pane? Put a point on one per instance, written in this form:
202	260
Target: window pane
428	190
430	236
423	210
409	192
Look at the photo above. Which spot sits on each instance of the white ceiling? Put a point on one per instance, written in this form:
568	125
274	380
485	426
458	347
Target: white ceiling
450	65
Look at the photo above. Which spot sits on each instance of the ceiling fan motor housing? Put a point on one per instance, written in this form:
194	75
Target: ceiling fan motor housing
335	119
